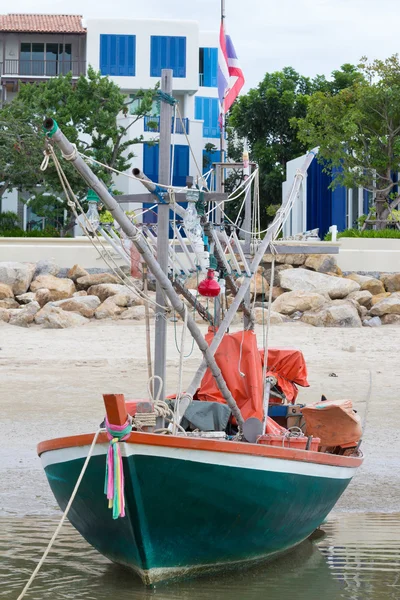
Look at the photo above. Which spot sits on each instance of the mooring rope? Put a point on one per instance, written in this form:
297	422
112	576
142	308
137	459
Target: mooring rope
64	516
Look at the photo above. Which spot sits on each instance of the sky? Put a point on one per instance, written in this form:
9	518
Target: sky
313	36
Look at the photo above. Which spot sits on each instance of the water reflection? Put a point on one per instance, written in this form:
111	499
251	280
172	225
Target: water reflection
357	559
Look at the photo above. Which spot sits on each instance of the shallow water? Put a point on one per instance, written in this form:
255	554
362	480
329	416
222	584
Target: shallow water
356	557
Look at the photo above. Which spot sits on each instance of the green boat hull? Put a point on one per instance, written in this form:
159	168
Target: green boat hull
185	516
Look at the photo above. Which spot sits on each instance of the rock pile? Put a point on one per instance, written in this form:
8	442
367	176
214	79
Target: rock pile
310	288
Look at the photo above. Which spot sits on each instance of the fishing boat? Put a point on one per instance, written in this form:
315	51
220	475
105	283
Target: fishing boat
233	470
230	472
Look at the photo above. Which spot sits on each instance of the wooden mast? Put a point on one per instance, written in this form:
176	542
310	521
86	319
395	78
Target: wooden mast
135	235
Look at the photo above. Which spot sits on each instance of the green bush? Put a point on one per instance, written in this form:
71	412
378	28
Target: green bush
17	232
8	220
367	233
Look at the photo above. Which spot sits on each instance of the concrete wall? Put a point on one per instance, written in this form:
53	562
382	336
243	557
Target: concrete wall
364	254
355	254
65	252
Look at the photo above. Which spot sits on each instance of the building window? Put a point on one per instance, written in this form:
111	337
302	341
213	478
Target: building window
207	110
208	67
118	55
167	52
45	59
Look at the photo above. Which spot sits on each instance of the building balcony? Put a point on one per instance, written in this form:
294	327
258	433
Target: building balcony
152	124
15	68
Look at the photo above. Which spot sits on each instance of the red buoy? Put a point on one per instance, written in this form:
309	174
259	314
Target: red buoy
209	287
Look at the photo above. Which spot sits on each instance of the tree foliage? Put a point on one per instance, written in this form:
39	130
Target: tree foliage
358	132
92	112
265	115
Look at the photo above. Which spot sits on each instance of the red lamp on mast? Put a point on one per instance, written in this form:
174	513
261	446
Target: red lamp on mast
209	287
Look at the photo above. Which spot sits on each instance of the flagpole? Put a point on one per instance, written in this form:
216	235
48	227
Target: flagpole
222	133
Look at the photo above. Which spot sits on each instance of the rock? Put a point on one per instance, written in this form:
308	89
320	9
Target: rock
379	297
43	296
80	293
374	322
321	263
109	309
290	302
277	271
295	259
311	281
5	291
54	284
337	314
136	313
375	286
387	306
105	290
54	317
296	316
46	267
83	305
76	272
83	283
24	316
388	319
364	298
276	292
258	285
9	303
4	315
362	311
391	282
26	298
17	275
370	284
279	258
261	316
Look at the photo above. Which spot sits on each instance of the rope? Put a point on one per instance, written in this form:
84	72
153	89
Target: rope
271	283
180	376
64	516
73	203
114	480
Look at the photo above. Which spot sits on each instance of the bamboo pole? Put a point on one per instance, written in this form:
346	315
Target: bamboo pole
134	234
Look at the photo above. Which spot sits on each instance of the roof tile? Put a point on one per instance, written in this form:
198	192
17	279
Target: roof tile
41	23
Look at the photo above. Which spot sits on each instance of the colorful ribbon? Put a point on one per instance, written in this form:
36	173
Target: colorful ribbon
114	481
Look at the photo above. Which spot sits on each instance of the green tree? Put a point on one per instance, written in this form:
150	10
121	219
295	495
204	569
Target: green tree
264	116
93	113
358	133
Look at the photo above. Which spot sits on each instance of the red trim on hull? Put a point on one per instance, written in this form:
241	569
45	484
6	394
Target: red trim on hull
170	441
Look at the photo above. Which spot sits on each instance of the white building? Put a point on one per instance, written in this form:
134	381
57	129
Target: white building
132	53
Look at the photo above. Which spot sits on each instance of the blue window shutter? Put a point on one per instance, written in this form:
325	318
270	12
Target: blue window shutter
214	67
150	169
117	54
167	52
207	110
104	54
210	67
181	165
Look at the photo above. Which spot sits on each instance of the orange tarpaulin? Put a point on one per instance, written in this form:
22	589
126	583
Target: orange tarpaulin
241	364
289	368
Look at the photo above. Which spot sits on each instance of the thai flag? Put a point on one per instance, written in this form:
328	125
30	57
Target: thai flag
230	75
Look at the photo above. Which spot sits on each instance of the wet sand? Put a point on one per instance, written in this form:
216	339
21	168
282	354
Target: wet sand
52	383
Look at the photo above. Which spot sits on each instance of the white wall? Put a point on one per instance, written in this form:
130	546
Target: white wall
144	29
297	220
9	201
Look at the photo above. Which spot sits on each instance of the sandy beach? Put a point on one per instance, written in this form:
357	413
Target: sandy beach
52	383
